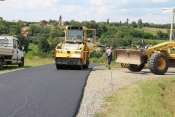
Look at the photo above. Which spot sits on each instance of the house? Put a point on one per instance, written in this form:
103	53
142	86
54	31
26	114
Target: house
62	23
43	22
25	31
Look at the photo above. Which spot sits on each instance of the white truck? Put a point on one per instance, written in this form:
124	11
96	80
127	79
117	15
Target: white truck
10	52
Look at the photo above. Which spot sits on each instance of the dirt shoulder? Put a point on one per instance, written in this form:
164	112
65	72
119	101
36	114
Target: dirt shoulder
102	81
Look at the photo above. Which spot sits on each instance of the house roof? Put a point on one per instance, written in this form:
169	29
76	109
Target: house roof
24	29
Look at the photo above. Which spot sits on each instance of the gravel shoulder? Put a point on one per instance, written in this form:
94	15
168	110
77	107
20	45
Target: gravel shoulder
102	81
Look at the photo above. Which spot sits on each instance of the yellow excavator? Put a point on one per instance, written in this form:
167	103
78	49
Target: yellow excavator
159	58
74	52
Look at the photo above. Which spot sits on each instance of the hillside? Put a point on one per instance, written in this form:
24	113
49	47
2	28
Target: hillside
154	30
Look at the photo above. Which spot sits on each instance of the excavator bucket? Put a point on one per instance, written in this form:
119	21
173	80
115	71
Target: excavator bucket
129	56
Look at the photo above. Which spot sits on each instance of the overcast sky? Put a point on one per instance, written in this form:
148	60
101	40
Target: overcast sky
85	10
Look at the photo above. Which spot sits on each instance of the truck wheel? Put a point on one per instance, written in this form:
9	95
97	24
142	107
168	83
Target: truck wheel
158	63
1	64
21	64
135	68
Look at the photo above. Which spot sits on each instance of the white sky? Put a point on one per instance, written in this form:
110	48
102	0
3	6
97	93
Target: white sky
85	10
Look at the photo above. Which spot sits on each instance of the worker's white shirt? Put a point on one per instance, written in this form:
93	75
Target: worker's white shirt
109	51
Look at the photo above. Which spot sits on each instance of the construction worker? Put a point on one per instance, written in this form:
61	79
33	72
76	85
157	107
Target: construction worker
109	56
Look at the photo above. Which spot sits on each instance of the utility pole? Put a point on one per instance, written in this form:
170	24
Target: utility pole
172	22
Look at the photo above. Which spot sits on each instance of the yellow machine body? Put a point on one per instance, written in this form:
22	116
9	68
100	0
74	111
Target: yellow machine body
158	65
74	52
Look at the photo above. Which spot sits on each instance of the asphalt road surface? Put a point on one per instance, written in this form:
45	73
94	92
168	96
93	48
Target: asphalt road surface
42	91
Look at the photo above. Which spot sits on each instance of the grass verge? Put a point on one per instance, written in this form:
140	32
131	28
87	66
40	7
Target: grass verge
36	61
151	98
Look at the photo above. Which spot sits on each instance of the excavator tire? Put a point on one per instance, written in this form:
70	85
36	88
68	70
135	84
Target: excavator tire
158	63
135	68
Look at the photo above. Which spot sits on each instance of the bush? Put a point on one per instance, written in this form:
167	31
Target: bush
30	54
93	60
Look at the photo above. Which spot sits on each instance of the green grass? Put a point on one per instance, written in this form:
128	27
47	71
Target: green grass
36	61
154	30
151	98
158	41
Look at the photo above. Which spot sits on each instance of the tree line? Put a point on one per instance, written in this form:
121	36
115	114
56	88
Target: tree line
115	34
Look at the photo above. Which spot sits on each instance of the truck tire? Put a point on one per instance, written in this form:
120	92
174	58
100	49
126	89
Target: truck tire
21	64
1	64
158	63
135	68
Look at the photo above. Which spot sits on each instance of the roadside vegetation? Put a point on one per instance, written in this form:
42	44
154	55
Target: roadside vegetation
150	98
117	34
43	38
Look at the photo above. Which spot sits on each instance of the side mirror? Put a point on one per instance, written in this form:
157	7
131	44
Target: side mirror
23	48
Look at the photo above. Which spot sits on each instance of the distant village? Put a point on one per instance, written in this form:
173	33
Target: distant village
25	32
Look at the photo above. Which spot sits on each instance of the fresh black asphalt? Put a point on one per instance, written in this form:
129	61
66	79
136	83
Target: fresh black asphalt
42	91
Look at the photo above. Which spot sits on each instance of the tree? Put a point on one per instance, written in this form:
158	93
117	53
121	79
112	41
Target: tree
127	22
56	32
120	24
35	29
134	24
60	18
43	47
140	24
108	21
119	35
55	42
18	29
23	42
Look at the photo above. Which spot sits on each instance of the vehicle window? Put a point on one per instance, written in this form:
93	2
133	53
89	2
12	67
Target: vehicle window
74	34
17	43
14	43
